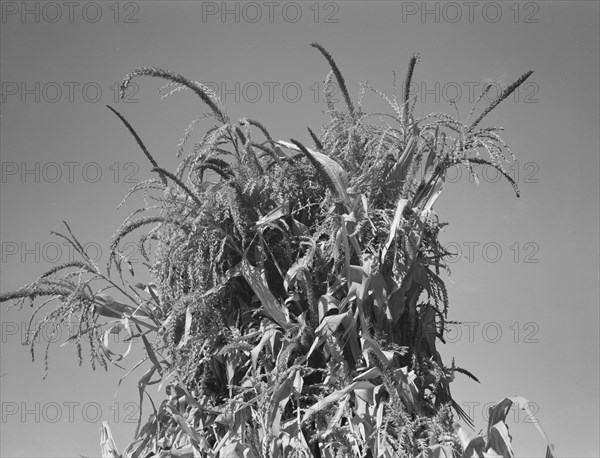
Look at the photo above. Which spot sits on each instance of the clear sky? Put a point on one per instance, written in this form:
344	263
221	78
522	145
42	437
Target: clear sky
526	286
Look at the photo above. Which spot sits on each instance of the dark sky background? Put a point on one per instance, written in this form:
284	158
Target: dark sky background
526	286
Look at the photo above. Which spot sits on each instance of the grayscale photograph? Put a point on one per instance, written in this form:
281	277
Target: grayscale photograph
300	229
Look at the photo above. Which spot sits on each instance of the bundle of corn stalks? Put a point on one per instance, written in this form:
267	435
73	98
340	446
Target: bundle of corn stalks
296	300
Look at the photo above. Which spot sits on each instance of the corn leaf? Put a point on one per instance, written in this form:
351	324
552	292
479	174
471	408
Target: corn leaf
499	440
394	227
107	443
258	282
334	170
333	397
